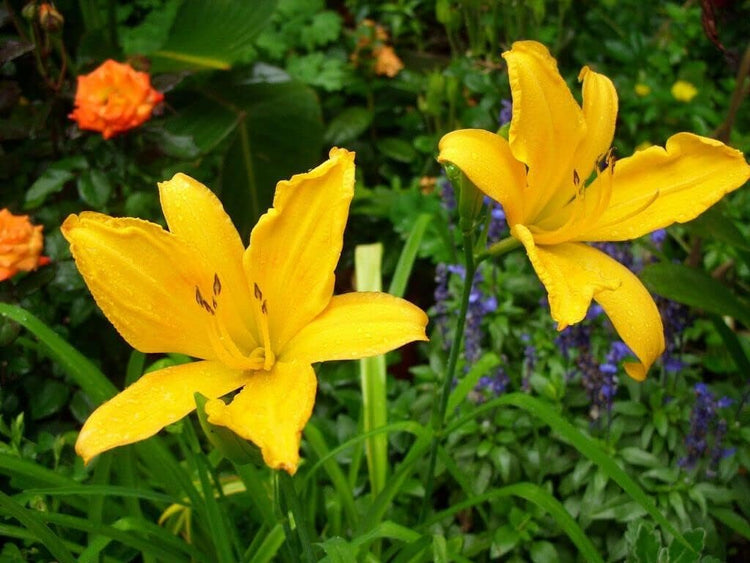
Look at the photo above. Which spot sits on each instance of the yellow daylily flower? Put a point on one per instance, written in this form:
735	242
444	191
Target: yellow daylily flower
257	318
558	184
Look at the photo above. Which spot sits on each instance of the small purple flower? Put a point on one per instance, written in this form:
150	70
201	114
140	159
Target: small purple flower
447	193
707	431
491	385
506	111
658	237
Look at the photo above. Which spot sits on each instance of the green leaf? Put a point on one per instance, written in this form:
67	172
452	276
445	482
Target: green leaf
695	288
279	134
714	224
397	149
408	256
733	520
372	376
94	188
678	553
583	444
212	34
86	375
51	181
50	398
230	445
644	544
541	498
152	32
39	529
348	125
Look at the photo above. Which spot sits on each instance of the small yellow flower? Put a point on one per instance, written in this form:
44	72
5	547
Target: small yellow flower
683	91
559	187
257	318
642	90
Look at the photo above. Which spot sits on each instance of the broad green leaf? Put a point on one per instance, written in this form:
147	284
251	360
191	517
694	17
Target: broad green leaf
695	288
279	135
348	125
397	149
94	188
714	224
212	34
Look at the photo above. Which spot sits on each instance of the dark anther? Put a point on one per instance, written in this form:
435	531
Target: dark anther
606	160
263	308
198	296
217	284
258	292
215	304
576	178
207	307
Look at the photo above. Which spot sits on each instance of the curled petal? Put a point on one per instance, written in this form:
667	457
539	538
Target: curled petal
157	399
547	124
486	160
271	412
358	325
574	273
600	114
571	274
657	187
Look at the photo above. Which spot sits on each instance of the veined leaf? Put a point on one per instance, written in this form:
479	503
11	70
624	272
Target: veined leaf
695	288
212	34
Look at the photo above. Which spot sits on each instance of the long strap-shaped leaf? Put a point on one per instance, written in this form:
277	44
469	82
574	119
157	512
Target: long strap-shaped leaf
39	529
76	365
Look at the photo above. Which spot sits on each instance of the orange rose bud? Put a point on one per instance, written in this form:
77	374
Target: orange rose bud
114	98
20	245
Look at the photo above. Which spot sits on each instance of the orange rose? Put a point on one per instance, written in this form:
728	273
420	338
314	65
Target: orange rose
114	98
20	245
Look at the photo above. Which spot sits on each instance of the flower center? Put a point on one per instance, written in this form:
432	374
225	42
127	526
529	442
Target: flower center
224	345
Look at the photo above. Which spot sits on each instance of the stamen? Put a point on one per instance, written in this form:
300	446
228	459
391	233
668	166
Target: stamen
217	285
262	320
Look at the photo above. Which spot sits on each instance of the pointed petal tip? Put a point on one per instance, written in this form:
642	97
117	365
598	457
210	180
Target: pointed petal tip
636	370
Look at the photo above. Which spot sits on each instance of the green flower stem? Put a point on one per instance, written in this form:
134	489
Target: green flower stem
286	484
499	248
438	415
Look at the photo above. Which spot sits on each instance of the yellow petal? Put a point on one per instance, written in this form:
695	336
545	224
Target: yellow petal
157	399
358	325
296	245
144	279
574	273
547	123
657	187
486	160
600	114
634	315
271	412
195	214
568	274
